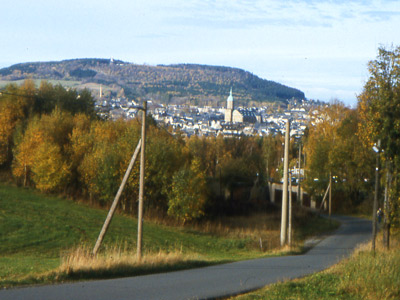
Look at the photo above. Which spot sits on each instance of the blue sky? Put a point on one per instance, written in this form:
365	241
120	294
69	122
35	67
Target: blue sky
321	47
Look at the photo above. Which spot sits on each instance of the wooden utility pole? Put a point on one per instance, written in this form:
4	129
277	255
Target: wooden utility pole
386	207
330	193
323	203
299	197
141	183
285	187
290	212
376	196
116	200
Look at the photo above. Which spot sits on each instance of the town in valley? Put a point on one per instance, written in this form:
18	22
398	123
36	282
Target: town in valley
212	121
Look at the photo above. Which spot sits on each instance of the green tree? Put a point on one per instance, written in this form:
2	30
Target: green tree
379	108
49	97
164	157
187	198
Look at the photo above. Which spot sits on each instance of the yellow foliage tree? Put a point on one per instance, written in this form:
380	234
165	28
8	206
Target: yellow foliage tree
15	103
30	158
50	171
25	150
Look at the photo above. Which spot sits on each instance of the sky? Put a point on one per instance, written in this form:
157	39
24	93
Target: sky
321	47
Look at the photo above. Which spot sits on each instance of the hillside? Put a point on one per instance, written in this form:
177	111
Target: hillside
38	237
38	229
164	83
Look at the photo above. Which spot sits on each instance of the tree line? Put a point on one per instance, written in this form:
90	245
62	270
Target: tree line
52	140
342	145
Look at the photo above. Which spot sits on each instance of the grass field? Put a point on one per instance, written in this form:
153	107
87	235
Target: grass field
39	234
362	276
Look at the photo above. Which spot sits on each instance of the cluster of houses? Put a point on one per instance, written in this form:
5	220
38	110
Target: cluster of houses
207	120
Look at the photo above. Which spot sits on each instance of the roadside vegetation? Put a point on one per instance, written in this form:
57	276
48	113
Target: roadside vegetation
49	239
364	275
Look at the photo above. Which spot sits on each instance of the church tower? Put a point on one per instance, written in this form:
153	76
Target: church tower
229	108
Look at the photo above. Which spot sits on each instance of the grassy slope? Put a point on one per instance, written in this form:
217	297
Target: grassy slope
35	230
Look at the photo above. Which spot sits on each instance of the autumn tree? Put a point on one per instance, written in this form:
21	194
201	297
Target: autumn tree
41	153
352	163
50	169
15	107
379	108
27	143
164	158
272	151
100	168
80	144
333	149
19	105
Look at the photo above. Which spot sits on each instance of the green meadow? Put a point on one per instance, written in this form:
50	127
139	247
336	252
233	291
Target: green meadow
39	232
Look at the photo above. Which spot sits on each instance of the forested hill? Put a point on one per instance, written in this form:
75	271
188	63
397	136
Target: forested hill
162	82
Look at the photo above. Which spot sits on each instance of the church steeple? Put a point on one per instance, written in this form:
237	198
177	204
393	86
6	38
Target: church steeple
229	101
229	108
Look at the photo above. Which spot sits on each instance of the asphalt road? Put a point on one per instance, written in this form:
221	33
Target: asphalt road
209	282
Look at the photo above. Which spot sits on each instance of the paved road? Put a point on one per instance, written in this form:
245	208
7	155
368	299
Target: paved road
209	282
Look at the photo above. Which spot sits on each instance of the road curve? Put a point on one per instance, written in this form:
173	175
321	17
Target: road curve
209	282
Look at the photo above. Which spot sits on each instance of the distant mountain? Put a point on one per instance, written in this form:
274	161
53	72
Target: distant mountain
166	83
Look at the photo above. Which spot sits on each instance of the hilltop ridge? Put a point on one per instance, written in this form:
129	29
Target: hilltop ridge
165	83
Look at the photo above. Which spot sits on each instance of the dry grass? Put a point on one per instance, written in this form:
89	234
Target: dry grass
117	261
255	227
264	226
373	276
362	276
80	264
120	260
